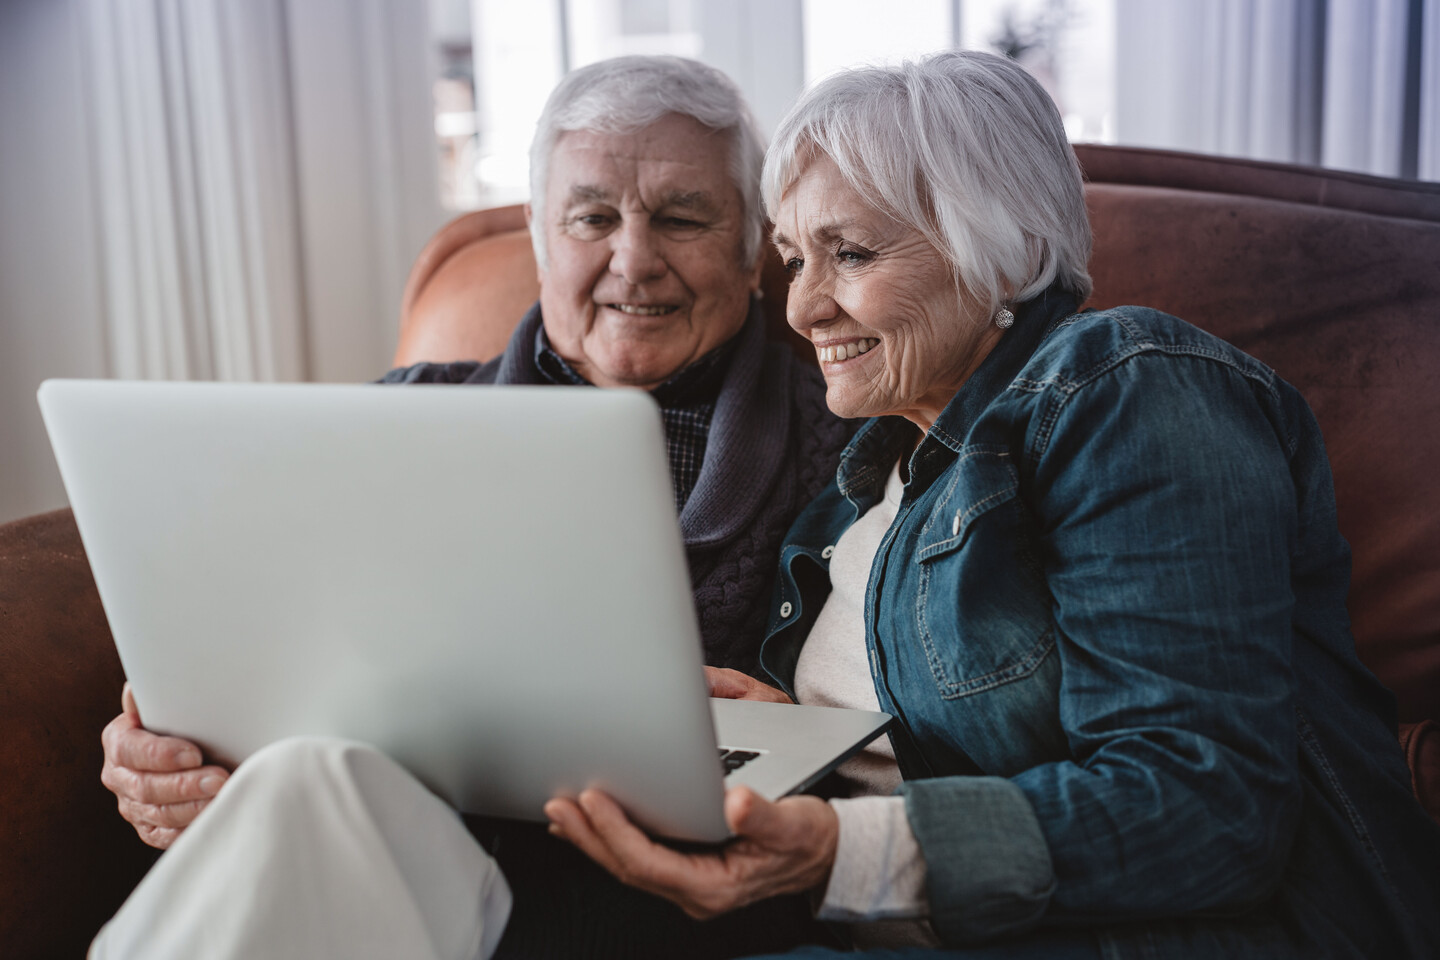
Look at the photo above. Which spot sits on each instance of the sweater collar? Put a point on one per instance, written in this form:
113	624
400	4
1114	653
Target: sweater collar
747	437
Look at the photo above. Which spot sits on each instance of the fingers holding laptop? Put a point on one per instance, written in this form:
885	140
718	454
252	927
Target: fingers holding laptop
733	685
781	847
161	783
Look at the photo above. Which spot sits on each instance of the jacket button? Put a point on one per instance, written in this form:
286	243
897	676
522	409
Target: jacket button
785	609
955	527
828	552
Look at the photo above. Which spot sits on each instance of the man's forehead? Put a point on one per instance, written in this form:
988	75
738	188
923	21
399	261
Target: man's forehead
678	159
669	196
671	132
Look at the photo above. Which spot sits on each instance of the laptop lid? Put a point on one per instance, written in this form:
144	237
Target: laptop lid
487	584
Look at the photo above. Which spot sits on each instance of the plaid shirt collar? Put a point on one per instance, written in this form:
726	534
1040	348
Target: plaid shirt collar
687	404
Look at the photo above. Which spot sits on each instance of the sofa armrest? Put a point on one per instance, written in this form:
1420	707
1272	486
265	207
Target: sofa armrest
69	859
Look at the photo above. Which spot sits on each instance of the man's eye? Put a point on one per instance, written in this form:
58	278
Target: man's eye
592	219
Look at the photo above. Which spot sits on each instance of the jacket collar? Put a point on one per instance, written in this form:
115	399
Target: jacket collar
1034	319
517	363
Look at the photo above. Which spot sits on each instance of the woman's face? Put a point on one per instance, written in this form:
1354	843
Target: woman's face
893	334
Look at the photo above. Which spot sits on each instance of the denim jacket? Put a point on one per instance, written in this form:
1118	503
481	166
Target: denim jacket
1110	618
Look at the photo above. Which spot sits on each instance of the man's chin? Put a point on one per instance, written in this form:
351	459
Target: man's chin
645	368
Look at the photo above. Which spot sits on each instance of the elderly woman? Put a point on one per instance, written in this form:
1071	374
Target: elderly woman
1088	560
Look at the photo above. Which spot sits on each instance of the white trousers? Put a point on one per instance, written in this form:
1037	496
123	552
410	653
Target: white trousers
316	848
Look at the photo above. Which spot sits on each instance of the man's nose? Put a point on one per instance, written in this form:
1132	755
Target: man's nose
637	255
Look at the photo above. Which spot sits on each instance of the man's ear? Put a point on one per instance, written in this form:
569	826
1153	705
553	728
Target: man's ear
759	269
529	220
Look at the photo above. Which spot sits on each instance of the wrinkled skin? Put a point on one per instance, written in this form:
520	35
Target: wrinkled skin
161	783
861	279
644	235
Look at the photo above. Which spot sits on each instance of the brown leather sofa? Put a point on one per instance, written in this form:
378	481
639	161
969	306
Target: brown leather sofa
1333	279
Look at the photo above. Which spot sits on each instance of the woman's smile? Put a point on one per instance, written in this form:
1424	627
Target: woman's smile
838	351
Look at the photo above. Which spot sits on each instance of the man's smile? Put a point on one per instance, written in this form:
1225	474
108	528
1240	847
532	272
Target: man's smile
643	310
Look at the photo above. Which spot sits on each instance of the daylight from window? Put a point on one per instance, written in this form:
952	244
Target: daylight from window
498	60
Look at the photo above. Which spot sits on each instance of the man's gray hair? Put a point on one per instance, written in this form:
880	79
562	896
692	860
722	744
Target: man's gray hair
965	147
627	94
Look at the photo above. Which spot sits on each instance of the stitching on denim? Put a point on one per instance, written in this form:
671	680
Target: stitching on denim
1322	762
977	506
942	506
957	689
1036	386
1266	378
1018	669
941	434
1046	428
1068	389
975	509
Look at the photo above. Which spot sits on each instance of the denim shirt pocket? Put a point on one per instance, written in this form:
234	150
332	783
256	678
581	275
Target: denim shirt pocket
982	607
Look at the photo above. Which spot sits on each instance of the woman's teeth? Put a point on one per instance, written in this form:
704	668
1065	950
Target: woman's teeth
844	351
639	311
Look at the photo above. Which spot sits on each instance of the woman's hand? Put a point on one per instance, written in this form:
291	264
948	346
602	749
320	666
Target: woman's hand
782	847
734	685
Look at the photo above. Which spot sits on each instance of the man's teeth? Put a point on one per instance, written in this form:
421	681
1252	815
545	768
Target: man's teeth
844	351
640	311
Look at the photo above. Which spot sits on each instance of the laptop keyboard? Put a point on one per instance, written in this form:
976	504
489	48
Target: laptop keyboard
735	759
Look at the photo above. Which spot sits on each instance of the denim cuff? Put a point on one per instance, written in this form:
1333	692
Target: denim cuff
988	865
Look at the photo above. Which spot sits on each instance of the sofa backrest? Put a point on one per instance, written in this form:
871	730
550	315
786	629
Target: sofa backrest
1331	278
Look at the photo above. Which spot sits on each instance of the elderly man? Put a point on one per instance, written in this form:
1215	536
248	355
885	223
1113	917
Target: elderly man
648	231
647	226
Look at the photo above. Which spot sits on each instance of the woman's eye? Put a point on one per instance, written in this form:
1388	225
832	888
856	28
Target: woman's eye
681	222
792	266
591	219
852	256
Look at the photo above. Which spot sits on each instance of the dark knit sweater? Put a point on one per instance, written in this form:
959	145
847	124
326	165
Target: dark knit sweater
773	446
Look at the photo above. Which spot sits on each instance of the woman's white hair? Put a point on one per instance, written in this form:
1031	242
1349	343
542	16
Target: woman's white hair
627	94
968	149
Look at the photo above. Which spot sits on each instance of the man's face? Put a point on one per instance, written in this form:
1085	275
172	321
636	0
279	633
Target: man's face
643	236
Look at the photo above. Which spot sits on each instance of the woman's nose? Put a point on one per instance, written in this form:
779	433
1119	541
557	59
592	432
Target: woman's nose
636	255
809	302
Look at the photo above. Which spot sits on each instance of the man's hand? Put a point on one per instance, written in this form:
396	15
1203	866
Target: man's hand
734	685
780	848
160	781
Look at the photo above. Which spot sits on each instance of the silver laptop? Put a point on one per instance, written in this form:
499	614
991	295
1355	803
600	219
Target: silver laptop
488	584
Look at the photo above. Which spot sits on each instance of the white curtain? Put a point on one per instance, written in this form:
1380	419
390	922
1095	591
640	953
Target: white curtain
265	175
1350	84
193	152
1429	149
